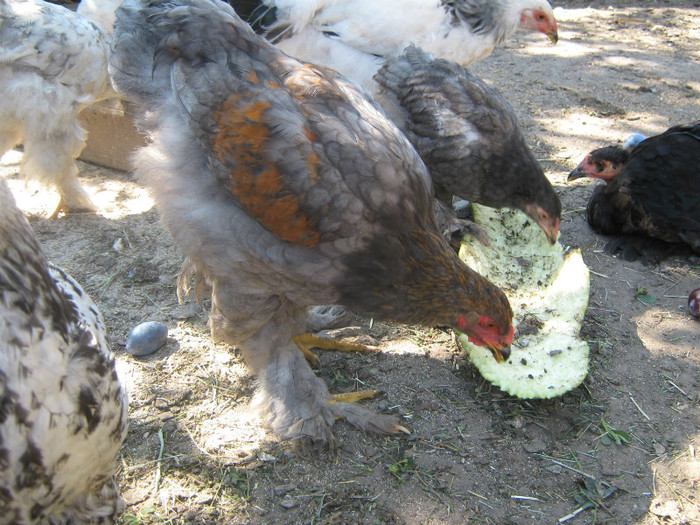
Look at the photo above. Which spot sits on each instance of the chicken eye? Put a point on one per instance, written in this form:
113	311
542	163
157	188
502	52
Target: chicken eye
543	216
599	166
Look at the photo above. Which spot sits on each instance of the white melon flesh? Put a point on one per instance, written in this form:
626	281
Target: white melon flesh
548	291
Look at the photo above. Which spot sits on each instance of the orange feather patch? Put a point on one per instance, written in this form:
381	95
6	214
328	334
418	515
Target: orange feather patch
240	143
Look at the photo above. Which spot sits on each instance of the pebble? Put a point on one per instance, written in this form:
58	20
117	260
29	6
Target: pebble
289	503
535	446
146	338
266	458
555	469
281	490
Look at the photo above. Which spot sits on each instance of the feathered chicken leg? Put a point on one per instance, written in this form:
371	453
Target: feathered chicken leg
295	403
52	162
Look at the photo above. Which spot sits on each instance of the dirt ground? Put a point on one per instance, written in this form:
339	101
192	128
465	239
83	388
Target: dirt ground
621	448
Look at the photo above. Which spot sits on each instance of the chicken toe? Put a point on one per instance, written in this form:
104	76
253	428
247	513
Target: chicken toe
85	206
305	342
367	420
362	418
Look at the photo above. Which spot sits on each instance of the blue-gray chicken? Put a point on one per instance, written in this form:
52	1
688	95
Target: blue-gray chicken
468	136
285	187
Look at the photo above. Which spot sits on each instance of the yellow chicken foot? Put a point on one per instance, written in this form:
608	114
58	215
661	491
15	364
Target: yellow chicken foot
64	207
354	397
58	210
343	405
305	342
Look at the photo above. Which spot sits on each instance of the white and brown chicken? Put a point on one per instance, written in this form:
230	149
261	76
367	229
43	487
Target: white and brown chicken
63	412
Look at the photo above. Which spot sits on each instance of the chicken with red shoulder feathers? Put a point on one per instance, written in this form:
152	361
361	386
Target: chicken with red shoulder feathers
285	187
651	189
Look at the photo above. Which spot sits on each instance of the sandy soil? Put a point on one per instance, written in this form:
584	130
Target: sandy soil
621	448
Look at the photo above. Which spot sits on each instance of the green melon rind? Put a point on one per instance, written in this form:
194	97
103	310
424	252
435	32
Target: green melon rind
539	280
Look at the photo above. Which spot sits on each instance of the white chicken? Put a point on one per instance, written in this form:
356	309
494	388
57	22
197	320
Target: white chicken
53	64
356	37
63	414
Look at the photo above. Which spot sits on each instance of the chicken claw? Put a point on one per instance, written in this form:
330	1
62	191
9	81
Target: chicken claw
305	342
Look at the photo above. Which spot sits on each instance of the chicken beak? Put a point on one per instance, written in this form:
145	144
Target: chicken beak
499	354
547	225
578	173
550	230
553	35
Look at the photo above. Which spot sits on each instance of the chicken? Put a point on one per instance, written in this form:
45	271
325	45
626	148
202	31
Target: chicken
64	413
651	190
468	137
285	187
356	37
53	63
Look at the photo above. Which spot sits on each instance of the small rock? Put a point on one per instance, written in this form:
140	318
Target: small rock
143	272
281	490
289	503
204	499
146	338
118	245
266	458
535	446
162	404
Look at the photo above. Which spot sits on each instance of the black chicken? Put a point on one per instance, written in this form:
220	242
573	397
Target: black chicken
652	190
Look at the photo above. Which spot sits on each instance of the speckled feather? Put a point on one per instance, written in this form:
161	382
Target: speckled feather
63	413
53	64
657	191
285	187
